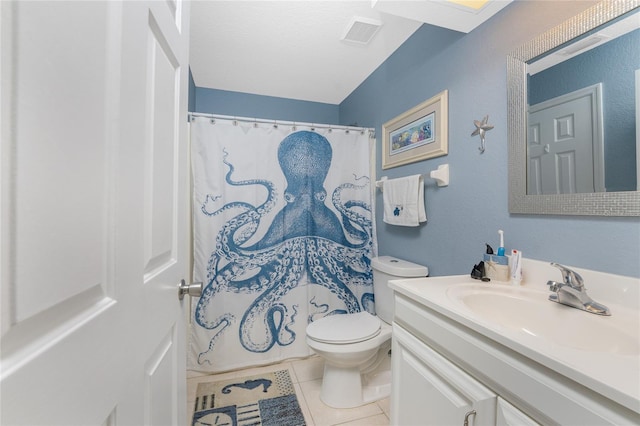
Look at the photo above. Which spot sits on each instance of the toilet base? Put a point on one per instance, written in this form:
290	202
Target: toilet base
350	387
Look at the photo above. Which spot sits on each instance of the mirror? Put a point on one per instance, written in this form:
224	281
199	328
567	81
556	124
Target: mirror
613	189
581	131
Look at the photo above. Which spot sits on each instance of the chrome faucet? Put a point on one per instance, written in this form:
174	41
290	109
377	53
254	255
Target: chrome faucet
571	292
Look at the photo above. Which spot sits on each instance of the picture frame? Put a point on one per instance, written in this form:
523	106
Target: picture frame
417	134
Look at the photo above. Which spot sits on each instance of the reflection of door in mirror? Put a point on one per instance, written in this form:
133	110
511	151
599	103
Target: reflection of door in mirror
607	57
564	144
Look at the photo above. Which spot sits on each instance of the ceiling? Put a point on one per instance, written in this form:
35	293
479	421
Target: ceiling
295	49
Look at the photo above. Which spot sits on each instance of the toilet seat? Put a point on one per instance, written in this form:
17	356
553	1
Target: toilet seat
344	329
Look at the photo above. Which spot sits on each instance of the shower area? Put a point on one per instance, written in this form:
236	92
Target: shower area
283	234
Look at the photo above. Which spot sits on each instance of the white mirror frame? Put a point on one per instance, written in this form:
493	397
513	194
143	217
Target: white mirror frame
625	203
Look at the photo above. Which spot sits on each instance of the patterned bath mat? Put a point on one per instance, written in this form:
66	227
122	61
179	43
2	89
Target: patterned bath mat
265	399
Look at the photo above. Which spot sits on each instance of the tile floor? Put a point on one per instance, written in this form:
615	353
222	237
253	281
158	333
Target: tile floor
306	375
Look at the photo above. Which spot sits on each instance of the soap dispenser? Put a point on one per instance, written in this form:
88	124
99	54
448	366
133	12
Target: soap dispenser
497	265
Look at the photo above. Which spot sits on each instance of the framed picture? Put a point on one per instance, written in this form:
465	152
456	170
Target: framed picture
417	134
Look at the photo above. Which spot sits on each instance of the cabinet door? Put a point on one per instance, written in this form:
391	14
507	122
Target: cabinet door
508	415
428	389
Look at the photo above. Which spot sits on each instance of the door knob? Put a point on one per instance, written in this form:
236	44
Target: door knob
193	290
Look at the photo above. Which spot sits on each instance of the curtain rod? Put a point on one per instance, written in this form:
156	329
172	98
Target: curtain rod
282	122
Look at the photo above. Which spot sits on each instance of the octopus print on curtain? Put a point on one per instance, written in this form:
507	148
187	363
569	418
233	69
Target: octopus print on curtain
283	235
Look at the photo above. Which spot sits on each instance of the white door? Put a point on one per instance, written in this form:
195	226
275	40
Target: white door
564	143
428	389
93	216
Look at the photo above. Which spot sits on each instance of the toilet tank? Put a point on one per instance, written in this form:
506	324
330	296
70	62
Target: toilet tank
385	269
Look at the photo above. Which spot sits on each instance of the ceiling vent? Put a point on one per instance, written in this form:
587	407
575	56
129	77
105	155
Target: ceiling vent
584	44
361	30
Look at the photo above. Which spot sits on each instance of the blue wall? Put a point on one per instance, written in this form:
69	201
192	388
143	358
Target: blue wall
192	93
223	102
467	213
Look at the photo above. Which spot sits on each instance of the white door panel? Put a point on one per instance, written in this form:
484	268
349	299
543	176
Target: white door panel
564	143
93	217
60	173
161	149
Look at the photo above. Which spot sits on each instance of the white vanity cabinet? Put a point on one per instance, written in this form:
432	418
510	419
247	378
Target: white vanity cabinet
430	390
445	367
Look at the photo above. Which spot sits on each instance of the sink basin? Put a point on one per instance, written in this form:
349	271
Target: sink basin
529	312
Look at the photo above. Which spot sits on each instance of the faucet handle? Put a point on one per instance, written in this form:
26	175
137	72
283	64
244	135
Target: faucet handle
570	277
554	286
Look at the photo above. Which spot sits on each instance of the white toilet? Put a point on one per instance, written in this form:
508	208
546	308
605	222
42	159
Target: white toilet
356	347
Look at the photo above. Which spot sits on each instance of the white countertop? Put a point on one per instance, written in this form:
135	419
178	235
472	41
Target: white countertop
614	373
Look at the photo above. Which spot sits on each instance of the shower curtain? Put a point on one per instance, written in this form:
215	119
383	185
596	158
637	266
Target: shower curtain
282	235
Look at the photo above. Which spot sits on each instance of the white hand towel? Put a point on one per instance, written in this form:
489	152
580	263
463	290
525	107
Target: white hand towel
403	200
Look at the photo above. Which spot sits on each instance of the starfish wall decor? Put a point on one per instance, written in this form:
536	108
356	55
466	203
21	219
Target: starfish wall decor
481	128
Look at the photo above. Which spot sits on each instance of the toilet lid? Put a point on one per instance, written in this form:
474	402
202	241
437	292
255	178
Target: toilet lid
348	328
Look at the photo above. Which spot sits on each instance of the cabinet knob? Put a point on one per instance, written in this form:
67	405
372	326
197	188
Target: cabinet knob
466	417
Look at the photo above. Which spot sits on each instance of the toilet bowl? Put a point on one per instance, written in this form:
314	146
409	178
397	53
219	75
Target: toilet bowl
356	347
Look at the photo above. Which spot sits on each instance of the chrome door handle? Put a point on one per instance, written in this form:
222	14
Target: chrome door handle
193	290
